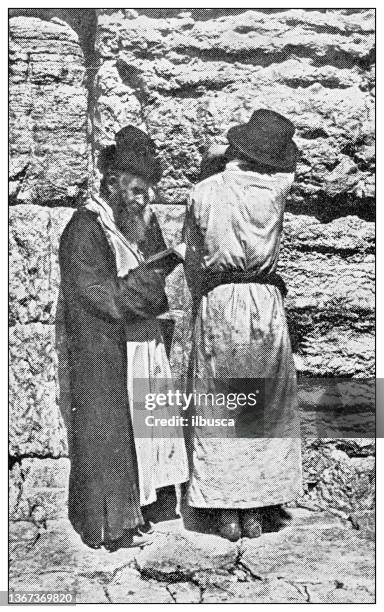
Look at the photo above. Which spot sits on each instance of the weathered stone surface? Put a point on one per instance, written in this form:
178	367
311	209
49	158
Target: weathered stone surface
256	592
343	352
318	558
185	592
39	489
15	486
181	555
335	480
23	531
30	263
34	268
22	537
303	555
329	270
188	81
341	254
276	590
365	522
48	113
128	587
39	385
336	592
37	426
60	549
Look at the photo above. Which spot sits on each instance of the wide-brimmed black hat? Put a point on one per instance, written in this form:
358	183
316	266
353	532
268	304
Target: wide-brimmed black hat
266	138
134	152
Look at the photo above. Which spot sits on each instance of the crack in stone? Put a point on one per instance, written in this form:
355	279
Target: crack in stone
344	252
170	592
107	577
46	573
307	593
19	487
106	593
118	570
301	589
263	57
17	460
33	542
249	572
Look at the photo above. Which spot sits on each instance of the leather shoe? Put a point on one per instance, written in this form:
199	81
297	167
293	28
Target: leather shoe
251	523
131	538
229	525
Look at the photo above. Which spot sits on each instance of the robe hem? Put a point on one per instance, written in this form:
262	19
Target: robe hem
247	505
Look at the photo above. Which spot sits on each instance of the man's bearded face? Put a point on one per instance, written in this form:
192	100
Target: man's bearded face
132	195
129	198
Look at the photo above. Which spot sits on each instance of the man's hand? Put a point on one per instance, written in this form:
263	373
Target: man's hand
142	292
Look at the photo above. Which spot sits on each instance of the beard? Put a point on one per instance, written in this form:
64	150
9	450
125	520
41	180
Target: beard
133	225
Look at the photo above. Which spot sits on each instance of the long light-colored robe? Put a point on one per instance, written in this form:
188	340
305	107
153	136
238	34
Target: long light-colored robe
233	223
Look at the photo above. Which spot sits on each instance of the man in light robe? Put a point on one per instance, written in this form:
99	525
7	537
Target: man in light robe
232	231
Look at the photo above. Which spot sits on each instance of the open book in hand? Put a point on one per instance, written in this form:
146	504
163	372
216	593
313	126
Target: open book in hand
167	260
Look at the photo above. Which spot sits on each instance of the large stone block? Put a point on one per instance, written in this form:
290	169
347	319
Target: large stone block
182	555
48	113
330	273
187	82
34	268
38	417
333	563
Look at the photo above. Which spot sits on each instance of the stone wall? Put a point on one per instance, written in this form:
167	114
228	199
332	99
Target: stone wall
186	76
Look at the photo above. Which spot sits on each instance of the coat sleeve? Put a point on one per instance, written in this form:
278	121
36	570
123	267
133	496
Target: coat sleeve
87	272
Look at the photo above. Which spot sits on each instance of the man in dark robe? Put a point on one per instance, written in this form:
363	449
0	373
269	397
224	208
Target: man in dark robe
104	496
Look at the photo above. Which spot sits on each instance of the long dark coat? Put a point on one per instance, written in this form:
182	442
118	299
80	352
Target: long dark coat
103	489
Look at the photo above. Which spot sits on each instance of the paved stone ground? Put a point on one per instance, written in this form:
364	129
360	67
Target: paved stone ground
317	558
